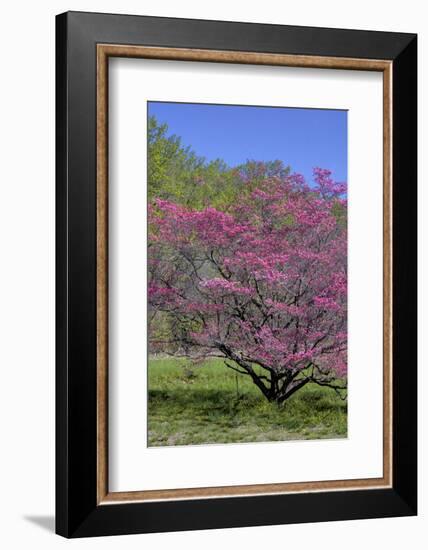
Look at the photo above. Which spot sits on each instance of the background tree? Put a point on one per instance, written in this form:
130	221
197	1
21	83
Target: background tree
177	174
261	283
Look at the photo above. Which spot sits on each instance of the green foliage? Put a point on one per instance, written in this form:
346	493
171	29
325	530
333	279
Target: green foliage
190	405
177	174
340	213
168	162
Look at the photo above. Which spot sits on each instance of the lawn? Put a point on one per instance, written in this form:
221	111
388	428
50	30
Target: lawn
205	404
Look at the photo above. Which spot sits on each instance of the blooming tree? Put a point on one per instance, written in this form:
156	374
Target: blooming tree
262	285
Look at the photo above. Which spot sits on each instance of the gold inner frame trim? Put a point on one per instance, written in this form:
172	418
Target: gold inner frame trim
104	51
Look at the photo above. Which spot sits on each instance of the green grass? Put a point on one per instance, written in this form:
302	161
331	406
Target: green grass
191	405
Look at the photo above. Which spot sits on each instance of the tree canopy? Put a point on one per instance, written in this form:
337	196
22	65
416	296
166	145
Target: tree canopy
248	264
178	174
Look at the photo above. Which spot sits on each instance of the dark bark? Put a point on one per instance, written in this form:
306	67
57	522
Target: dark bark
280	387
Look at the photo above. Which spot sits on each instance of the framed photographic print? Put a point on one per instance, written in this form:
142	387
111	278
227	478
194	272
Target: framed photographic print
236	274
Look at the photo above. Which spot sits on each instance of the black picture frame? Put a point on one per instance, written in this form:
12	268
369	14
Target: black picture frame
77	511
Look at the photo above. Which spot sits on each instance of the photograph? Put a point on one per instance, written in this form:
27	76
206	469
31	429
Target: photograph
247	273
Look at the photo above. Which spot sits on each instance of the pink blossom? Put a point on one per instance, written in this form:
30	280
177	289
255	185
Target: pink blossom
265	281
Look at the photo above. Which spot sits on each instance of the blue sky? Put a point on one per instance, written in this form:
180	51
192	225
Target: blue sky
302	138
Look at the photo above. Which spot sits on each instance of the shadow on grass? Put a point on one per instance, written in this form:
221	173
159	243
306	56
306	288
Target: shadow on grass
211	399
201	397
